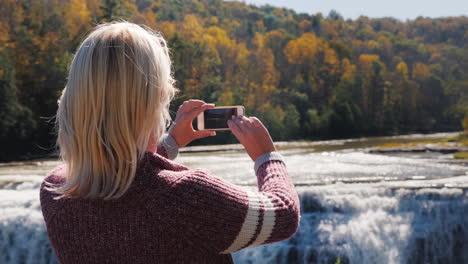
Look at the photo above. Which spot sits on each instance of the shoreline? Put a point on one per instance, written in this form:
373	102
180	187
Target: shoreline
316	146
457	145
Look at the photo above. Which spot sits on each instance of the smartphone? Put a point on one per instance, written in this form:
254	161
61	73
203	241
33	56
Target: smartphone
216	118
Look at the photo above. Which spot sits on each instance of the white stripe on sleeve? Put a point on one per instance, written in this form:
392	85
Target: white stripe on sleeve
268	221
250	224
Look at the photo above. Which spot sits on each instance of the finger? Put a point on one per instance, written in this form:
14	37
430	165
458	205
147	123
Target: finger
203	133
196	111
188	105
259	124
249	122
195	100
181	107
256	122
234	128
239	121
243	121
193	103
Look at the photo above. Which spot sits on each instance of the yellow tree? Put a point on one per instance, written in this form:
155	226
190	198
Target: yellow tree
331	59
365	61
348	69
372	45
230	56
167	28
263	70
191	28
421	72
77	18
303	49
402	68
302	52
95	9
225	49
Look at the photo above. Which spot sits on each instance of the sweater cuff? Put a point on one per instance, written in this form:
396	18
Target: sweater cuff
172	149
269	156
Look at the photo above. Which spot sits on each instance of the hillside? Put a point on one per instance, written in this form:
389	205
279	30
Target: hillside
306	76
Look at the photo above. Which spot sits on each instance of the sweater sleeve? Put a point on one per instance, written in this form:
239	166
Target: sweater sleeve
224	218
167	147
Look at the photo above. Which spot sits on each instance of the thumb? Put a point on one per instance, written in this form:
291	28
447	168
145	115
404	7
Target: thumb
204	133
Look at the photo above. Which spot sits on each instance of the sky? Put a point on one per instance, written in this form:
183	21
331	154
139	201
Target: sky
400	9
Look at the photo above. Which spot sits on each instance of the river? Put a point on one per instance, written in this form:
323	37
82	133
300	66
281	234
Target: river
356	207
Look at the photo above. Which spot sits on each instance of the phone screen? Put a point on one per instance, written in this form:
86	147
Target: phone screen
218	117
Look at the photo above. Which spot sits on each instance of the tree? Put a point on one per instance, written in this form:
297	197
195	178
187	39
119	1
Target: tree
303	49
334	15
402	69
77	17
117	9
307	75
421	72
16	124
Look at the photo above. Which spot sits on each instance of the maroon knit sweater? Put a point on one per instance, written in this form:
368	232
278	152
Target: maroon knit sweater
172	214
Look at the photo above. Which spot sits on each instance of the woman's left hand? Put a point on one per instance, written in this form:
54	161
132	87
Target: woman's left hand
182	130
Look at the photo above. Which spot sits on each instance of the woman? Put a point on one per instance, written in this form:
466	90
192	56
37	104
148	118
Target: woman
119	197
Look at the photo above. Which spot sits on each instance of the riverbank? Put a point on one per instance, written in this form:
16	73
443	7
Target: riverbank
456	145
369	144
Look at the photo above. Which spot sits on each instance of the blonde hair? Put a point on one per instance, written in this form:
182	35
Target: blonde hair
117	96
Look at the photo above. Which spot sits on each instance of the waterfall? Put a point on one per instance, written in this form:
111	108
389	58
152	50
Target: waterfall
23	237
355	223
361	224
356	207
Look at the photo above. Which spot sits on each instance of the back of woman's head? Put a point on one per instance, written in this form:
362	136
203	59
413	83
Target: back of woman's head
116	98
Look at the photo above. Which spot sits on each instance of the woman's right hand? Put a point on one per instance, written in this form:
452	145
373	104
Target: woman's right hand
252	134
182	130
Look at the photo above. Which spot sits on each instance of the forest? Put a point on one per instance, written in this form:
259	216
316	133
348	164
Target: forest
306	76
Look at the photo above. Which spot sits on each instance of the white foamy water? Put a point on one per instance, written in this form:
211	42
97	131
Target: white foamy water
309	168
411	208
372	224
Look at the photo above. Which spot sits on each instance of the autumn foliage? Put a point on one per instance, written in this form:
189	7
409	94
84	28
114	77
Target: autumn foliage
306	76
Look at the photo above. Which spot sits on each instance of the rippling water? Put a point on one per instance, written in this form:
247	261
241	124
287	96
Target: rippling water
356	206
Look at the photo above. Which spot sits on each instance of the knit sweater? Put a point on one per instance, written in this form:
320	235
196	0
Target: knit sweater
172	214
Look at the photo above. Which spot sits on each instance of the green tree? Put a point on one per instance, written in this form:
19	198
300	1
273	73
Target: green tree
117	9
16	124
